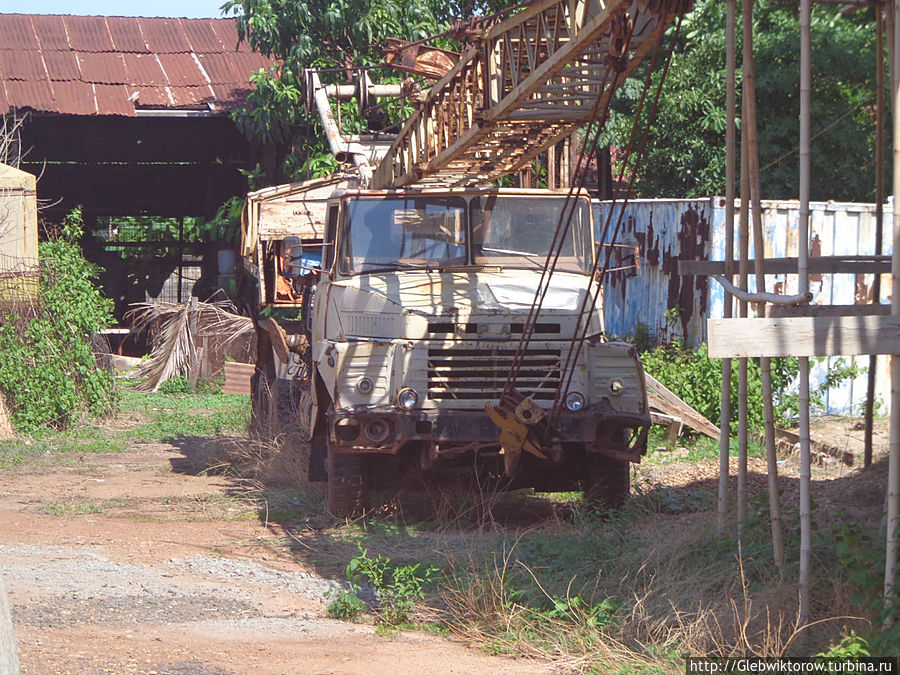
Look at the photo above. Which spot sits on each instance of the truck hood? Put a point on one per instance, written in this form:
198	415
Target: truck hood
459	294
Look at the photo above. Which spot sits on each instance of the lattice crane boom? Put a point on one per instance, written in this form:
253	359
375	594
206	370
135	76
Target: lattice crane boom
526	83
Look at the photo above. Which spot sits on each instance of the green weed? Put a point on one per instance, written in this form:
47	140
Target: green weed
174	415
397	587
345	605
75	507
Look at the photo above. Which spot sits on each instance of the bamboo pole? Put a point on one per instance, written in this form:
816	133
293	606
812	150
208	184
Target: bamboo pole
893	490
744	257
765	365
725	405
803	287
879	221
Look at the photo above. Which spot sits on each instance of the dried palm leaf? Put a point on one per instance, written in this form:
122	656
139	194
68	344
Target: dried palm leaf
179	324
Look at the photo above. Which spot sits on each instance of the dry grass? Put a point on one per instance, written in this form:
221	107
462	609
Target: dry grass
655	598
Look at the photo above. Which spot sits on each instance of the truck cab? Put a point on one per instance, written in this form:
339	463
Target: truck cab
415	344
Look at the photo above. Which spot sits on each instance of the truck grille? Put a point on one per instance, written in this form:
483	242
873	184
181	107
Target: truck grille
466	374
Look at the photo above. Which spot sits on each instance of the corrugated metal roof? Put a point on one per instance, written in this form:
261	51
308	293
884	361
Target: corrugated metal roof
96	65
50	31
60	65
102	68
126	35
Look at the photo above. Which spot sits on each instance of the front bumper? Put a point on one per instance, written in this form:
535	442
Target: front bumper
597	425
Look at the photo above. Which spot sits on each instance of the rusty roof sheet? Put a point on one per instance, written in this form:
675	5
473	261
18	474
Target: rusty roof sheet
102	68
203	38
50	31
126	35
18	32
62	65
21	65
88	33
96	65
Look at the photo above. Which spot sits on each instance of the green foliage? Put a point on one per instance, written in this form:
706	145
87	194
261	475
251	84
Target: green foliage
397	587
851	647
178	384
333	37
224	227
170	416
697	379
48	372
858	556
685	156
345	605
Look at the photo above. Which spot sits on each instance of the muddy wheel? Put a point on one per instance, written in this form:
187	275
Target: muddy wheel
607	481
345	484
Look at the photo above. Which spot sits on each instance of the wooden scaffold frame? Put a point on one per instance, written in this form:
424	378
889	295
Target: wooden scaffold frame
793	327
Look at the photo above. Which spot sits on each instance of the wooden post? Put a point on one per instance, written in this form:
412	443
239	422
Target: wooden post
744	256
765	366
6	427
893	490
803	287
879	220
725	404
9	653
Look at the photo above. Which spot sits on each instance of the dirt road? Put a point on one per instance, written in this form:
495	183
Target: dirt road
141	562
129	563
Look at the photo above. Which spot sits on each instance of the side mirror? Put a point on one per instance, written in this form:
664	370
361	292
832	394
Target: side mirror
625	258
630	260
297	262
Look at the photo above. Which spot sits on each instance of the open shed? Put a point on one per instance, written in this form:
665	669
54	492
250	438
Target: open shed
130	117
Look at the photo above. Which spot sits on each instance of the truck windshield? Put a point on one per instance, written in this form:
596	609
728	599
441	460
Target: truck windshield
413	233
517	231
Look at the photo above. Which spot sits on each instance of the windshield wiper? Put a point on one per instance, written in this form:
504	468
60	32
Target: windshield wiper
397	265
508	251
535	259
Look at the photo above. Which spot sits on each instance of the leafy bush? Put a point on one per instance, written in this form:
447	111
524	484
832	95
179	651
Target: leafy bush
177	384
48	373
345	605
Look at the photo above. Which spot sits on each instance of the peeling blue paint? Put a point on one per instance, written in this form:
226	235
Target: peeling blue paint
694	229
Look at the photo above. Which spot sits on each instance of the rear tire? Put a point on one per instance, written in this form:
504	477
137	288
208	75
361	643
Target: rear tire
608	481
264	404
345	484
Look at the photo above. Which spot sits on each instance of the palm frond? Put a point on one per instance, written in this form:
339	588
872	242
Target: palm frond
179	325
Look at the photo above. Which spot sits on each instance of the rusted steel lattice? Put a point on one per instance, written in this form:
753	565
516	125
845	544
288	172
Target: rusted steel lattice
525	84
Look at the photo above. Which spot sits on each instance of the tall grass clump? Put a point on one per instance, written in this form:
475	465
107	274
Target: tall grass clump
48	372
631	592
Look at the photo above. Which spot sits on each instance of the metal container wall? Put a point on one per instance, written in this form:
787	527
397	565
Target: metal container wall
677	307
666	230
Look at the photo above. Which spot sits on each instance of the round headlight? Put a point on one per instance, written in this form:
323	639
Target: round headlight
574	401
365	385
407	398
616	387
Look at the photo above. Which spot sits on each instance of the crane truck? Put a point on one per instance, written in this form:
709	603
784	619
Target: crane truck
412	317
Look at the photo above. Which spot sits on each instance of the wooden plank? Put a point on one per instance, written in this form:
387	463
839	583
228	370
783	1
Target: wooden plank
661	398
817	265
804	336
237	377
780	311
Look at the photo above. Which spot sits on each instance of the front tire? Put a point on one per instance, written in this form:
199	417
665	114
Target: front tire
608	481
345	484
